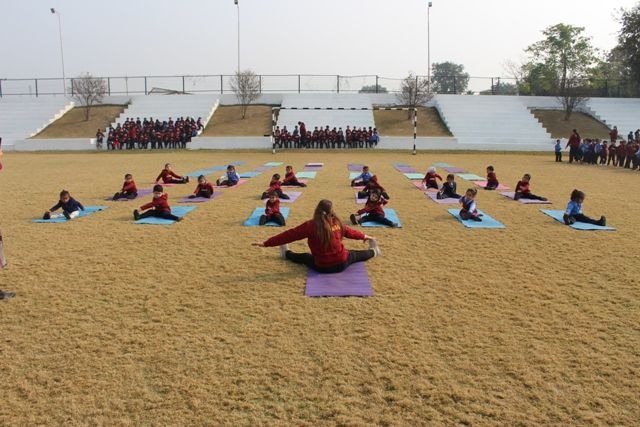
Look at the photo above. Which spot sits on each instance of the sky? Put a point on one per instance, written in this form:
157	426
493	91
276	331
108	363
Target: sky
333	37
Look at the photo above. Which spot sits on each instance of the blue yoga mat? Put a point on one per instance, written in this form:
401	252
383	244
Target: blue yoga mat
207	171
250	174
254	219
237	163
558	216
273	164
471	177
390	214
88	210
487	221
441	165
306	174
354	175
414	176
178	211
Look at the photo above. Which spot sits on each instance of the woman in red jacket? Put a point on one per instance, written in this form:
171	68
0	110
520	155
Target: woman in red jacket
324	234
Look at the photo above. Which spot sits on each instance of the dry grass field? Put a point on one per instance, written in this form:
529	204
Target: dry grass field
227	121
73	124
395	123
123	324
558	127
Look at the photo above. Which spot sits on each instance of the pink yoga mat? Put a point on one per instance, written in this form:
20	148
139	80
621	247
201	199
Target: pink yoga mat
483	184
433	195
352	282
419	185
293	196
510	194
200	199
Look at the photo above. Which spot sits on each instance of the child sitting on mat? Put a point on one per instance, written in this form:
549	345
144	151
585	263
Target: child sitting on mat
469	209
275	187
372	185
324	234
70	207
272	211
431	178
574	213
204	189
158	206
129	189
374	210
363	178
524	192
449	188
230	179
168	176
290	178
492	179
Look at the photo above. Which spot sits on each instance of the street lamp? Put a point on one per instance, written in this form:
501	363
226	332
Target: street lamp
429	44
64	81
238	6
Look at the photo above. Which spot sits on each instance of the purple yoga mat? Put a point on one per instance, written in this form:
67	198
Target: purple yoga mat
352	282
418	184
406	169
354	167
433	195
312	168
293	196
483	184
263	168
510	194
454	170
141	193
200	199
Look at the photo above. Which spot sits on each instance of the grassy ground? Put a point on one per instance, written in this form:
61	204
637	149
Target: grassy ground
73	124
123	324
227	121
587	126
395	123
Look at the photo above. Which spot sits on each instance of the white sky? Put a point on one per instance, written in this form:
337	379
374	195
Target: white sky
346	37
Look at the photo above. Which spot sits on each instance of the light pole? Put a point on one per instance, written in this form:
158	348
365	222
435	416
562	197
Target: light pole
429	44
238	7
64	80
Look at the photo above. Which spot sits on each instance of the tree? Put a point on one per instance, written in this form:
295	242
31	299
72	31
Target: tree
449	77
414	91
246	86
373	89
564	58
628	48
88	91
501	88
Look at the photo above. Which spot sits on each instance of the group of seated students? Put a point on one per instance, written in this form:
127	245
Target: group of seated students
300	137
150	133
618	153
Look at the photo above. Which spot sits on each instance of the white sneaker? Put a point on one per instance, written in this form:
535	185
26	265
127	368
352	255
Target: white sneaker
373	245
283	251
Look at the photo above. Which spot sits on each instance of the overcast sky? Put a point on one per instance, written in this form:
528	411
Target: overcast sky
347	37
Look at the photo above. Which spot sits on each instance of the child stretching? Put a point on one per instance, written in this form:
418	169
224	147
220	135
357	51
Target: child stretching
374	210
70	207
574	213
469	209
129	189
372	186
230	179
430	179
158	206
524	192
363	178
492	179
290	178
449	188
272	211
168	176
324	234
275	187
203	190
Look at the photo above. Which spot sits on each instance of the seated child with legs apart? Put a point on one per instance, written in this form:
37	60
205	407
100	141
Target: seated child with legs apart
272	211
374	210
469	209
168	176
363	178
129	189
431	178
492	179
157	207
449	188
524	192
229	179
574	213
70	207
371	186
275	187
290	178
203	190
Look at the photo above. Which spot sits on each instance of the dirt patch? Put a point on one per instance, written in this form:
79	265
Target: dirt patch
587	126
396	123
227	121
73	124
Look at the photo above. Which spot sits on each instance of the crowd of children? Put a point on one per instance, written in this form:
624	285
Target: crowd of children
149	133
301	137
614	152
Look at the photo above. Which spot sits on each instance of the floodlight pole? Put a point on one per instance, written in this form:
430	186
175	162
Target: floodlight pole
429	44
238	7
64	80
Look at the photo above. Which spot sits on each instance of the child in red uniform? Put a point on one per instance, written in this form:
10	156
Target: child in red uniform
524	192
204	189
371	186
469	209
492	179
430	179
275	187
290	178
272	211
129	189
374	210
324	233
168	176
158	207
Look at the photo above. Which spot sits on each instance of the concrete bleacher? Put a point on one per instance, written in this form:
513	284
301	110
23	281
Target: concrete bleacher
621	112
491	121
332	118
21	118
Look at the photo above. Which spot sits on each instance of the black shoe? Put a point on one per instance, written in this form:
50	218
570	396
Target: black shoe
193	196
46	215
66	215
439	196
186	179
476	218
115	196
136	214
603	221
569	220
302	184
543	199
516	196
353	219
263	220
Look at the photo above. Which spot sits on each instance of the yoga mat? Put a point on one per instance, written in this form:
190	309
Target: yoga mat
399	165
487	221
141	193
273	164
293	196
254	219
433	195
510	194
250	174
483	184
418	184
407	169
200	199
179	211
452	169
88	210
360	201
414	176
352	282
306	174
354	175
311	169
471	177
237	163
314	164
390	214
304	181
558	216
354	167
242	181
441	165
263	168
207	171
